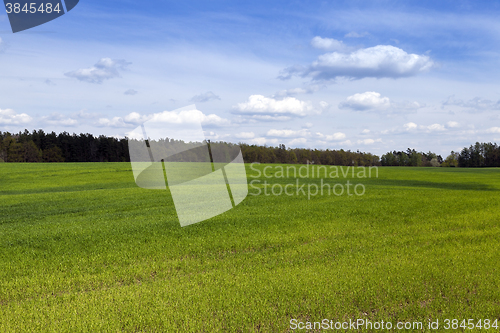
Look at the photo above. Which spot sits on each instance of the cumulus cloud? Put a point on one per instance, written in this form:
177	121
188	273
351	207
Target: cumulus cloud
328	44
213	119
302	136
113	122
104	69
298	141
260	141
171	117
452	124
410	126
422	128
366	101
136	118
10	117
208	96
286	133
381	61
259	107
374	101
331	137
58	119
368	141
131	92
245	135
435	127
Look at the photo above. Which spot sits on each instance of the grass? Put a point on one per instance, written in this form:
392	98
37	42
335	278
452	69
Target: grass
82	249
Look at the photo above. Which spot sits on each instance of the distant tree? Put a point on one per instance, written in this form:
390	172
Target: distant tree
388	159
13	150
451	160
31	153
53	154
292	157
434	162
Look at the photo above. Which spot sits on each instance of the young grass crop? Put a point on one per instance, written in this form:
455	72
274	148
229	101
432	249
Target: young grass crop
82	248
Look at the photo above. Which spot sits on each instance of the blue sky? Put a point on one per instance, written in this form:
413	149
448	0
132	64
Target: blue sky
368	75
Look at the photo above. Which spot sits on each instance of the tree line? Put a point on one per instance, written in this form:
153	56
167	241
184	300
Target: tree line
38	146
411	157
477	155
281	154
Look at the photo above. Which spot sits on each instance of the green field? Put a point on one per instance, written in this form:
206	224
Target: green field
83	249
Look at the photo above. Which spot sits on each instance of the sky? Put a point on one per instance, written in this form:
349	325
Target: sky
373	76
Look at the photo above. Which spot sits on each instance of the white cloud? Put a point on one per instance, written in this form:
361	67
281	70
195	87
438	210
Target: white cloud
85	115
378	62
373	101
365	131
189	116
331	137
263	141
493	130
104	69
366	101
208	96
171	117
259	107
301	136
10	117
213	119
368	141
286	133
345	143
298	141
136	118
257	118
452	124
430	128
354	34
245	135
328	44
114	122
59	120
435	127
410	126
131	92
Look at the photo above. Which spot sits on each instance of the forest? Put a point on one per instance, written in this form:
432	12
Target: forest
38	146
